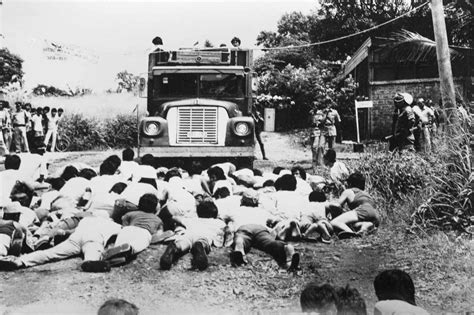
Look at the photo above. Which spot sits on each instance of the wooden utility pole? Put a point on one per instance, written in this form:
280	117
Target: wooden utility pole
443	56
2	35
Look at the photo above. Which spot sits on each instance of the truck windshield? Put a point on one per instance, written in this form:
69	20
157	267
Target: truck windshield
171	85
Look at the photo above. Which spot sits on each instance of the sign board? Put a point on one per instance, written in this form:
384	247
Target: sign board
364	104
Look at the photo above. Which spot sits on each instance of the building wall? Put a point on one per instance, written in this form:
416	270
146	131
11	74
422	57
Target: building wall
382	92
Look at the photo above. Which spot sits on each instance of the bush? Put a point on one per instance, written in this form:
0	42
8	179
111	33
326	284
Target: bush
394	177
90	133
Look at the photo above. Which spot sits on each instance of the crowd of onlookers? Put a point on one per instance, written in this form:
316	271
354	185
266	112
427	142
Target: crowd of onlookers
28	129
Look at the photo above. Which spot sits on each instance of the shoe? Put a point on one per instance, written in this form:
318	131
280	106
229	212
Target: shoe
118	261
169	256
10	263
43	243
123	250
17	243
237	259
95	266
325	239
200	260
295	262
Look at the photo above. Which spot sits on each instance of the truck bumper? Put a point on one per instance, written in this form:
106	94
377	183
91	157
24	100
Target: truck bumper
199	152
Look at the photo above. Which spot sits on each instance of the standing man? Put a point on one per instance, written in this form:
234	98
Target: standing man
331	118
258	120
317	138
38	130
425	119
4	126
52	129
403	123
19	121
236	42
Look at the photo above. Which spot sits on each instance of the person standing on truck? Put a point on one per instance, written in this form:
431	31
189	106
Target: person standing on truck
258	120
236	42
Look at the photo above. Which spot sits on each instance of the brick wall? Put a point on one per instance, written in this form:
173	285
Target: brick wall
381	93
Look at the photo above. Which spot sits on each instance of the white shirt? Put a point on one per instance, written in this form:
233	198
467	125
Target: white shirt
338	172
8	179
134	191
102	184
425	114
247	215
37	123
127	169
53	122
75	188
397	307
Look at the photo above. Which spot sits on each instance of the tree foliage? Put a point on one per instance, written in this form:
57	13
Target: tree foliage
127	81
10	66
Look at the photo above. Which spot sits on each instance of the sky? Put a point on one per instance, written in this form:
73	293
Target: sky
105	37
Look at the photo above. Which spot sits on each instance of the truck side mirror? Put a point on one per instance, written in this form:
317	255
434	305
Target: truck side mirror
142	88
254	83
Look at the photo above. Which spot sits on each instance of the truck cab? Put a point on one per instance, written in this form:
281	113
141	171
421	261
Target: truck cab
199	104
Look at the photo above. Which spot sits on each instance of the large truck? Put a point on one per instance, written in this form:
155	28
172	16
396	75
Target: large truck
199	105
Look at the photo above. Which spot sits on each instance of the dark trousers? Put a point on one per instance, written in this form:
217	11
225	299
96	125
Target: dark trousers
260	141
254	235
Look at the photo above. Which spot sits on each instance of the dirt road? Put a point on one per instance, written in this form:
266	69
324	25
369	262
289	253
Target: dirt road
258	287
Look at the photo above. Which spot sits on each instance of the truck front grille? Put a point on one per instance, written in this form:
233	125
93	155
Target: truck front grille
197	125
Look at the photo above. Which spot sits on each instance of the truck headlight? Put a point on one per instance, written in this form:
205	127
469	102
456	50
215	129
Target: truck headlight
242	129
152	128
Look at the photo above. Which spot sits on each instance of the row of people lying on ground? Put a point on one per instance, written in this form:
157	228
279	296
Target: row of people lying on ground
82	213
394	289
28	129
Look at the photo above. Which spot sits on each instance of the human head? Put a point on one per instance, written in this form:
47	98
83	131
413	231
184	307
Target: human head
18	105
107	168
4	104
148	159
277	170
299	171
319	298
394	284
172	172
87	173
286	182
221	192
317	196
128	154
356	180
268	183
206	208
38	110
157	41
329	157
216	173
60	112
54	111
56	182
402	99
118	188
45	110
149	181
235	42
249	198
148	203
117	307
350	302
420	102
256	172
69	172
12	162
115	160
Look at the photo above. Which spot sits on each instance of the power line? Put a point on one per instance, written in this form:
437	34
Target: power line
346	36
